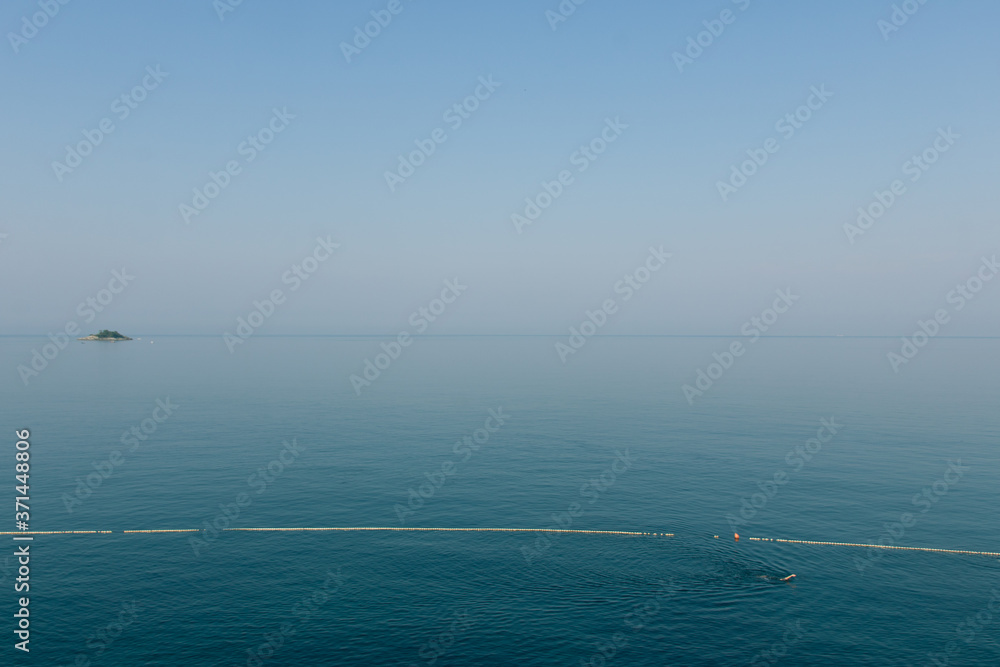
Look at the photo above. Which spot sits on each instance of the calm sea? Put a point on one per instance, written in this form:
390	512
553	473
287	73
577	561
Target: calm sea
274	435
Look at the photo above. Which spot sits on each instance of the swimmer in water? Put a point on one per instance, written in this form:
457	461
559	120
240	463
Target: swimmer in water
789	577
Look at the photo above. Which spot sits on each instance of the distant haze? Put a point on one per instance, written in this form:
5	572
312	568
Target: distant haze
551	91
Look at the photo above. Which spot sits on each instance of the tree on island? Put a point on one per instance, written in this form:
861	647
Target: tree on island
104	333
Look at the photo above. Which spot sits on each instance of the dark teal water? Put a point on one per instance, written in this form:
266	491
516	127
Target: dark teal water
474	598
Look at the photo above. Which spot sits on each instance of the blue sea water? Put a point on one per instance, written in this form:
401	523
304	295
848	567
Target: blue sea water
464	598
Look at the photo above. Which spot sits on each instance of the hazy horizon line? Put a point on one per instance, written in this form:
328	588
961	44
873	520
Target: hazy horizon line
534	335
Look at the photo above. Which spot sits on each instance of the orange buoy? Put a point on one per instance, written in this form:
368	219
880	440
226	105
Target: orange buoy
737	536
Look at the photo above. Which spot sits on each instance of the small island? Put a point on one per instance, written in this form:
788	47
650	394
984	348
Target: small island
104	334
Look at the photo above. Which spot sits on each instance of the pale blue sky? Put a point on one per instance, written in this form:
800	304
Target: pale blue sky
655	185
